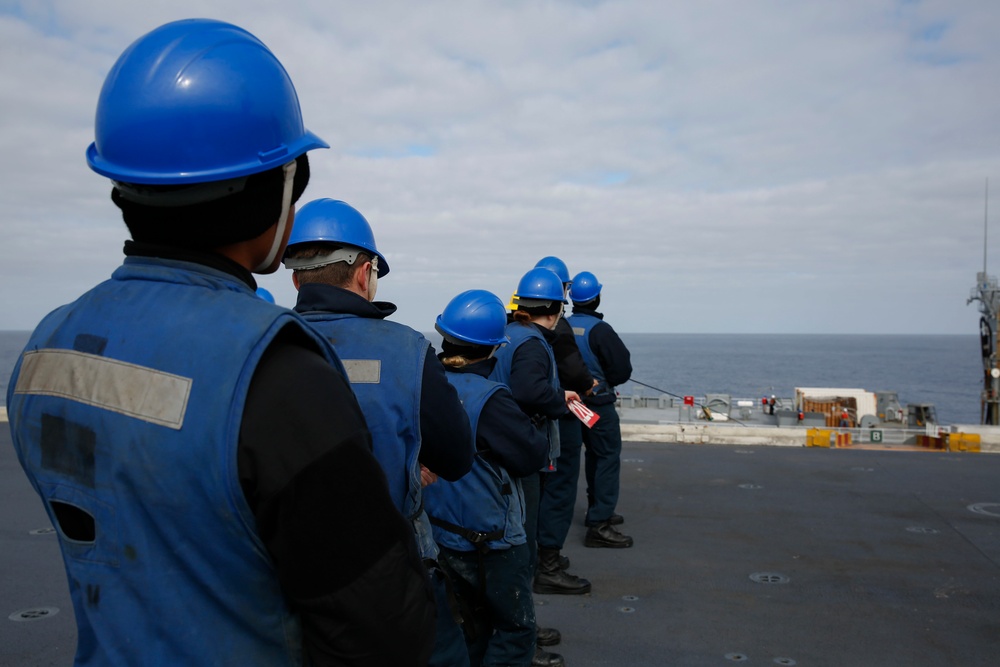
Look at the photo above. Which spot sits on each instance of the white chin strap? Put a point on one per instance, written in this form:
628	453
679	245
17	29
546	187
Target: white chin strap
286	204
373	279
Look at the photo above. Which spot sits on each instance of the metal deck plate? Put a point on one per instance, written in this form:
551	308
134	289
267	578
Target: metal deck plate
863	590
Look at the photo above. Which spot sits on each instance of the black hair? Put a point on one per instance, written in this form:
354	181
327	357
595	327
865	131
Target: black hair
554	308
213	224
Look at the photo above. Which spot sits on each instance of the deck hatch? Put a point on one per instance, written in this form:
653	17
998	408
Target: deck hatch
36	614
989	509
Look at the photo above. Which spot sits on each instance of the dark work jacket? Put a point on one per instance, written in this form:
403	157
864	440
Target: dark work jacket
573	372
303	454
529	379
610	351
444	429
505	434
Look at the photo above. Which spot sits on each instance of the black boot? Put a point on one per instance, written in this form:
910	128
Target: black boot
605	535
547	636
546	659
549	578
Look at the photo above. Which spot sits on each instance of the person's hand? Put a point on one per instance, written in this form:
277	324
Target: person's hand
426	476
572	396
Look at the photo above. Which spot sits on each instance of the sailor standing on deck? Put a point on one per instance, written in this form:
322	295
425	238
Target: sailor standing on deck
479	520
528	367
608	359
558	494
196	446
417	422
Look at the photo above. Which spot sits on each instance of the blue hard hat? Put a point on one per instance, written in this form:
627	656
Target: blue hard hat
541	284
555	264
335	221
585	287
264	294
195	101
475	316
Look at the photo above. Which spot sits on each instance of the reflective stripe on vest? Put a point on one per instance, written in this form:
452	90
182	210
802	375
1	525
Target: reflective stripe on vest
126	406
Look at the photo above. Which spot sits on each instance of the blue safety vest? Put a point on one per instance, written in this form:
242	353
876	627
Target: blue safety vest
485	501
582	326
385	364
517	335
126	407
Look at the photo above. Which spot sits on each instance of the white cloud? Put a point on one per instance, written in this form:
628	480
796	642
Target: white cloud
721	166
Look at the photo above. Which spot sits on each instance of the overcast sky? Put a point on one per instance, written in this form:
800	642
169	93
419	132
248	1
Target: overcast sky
731	166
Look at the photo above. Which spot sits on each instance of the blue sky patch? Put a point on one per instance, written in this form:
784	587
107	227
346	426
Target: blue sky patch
934	32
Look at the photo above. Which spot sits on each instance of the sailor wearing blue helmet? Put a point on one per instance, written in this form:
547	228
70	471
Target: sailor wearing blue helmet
558	494
419	428
479	520
528	366
609	361
195	445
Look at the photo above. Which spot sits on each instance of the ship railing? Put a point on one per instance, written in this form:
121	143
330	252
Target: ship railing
718	403
661	402
749	412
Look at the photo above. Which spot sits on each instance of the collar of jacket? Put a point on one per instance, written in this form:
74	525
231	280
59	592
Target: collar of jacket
203	257
315	297
577	310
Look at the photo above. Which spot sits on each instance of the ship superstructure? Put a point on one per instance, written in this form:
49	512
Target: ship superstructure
987	293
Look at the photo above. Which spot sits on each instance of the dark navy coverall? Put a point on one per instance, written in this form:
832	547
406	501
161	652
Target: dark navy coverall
603	442
558	498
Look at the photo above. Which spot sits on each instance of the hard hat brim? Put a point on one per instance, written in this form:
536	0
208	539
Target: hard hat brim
180	176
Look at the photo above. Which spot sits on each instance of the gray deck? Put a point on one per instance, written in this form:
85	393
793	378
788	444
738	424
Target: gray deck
32	577
884	563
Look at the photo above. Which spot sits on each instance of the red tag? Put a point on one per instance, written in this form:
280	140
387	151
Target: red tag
583	413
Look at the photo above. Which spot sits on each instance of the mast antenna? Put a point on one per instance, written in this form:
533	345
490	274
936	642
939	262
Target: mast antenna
986	219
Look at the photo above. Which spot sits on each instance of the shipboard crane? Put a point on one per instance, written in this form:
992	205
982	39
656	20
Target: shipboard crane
987	293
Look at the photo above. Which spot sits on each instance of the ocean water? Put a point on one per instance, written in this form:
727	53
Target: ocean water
944	370
938	369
